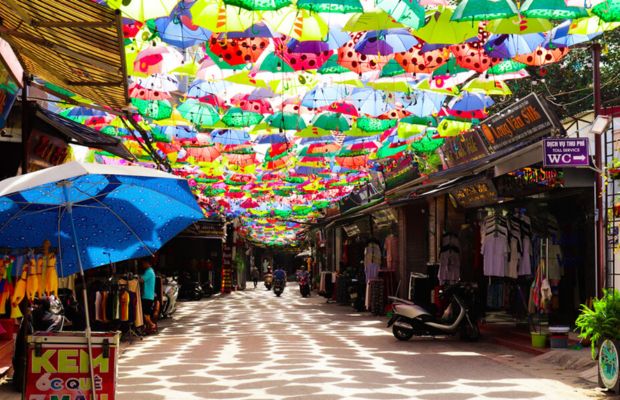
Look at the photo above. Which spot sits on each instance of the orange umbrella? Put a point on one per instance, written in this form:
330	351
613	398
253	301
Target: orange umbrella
358	62
473	56
542	56
417	61
203	154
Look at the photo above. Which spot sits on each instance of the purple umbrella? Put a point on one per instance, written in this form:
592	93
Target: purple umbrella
509	46
388	41
471	102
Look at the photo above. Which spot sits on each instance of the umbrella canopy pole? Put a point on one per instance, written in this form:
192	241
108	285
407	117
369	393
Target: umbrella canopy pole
69	207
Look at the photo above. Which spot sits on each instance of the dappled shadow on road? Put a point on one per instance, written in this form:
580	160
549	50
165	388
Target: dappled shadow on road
252	345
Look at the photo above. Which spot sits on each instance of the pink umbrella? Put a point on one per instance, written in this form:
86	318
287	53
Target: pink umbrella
342	108
260	106
138	92
157	60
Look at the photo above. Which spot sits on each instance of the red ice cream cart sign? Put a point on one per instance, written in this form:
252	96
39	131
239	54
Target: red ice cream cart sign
60	370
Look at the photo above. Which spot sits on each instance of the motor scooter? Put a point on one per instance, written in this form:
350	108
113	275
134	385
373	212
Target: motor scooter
268	280
169	300
460	317
303	279
278	286
190	289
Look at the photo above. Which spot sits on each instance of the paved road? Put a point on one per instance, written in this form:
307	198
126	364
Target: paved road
253	345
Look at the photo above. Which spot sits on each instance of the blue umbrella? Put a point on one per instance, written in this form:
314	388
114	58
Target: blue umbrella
509	46
200	88
471	102
320	139
369	101
422	104
559	37
178	132
95	215
386	42
324	96
178	29
271	139
230	136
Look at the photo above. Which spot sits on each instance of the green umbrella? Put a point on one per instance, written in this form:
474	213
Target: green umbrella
386	150
608	11
315	153
440	29
427	144
331	6
260	5
312	132
449	68
286	121
484	10
238	118
273	63
331	66
158	109
200	114
369	124
407	12
414	119
506	67
551	9
375	20
392	68
331	122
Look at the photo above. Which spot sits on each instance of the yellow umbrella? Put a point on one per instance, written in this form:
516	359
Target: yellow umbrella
440	28
299	24
175	119
244	78
186	69
591	25
448	127
390	86
519	25
216	16
491	87
429	85
141	10
375	20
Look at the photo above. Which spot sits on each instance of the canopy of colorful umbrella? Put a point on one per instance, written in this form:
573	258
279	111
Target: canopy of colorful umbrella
275	109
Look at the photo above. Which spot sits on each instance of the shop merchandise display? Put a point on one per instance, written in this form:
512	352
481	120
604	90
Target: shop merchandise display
449	258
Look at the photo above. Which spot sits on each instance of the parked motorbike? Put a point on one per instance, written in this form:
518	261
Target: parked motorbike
304	284
169	301
461	318
207	289
189	289
278	286
268	280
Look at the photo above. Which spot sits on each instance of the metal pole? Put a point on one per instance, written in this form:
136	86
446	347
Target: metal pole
25	125
598	160
87	331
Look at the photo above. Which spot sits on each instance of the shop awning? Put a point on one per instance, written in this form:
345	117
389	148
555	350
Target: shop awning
75	44
76	133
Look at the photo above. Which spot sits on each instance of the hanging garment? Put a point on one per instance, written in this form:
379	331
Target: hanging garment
67	282
51	277
449	258
98	300
372	255
134	286
124	301
391	251
33	281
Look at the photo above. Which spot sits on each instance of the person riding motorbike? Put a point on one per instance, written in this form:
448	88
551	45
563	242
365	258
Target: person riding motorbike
280	274
303	278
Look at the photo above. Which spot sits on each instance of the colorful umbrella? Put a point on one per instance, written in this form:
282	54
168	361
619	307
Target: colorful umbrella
608	10
178	29
216	16
158	82
331	6
551	9
159	109
386	42
484	10
331	122
157	60
369	101
542	56
239	118
407	12
261	5
200	114
509	46
519	25
418	61
238	51
286	121
142	10
374	20
440	29
490	87
299	24
470	102
230	136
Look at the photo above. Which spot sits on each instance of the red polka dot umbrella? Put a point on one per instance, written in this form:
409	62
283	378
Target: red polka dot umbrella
236	51
357	62
260	106
203	153
138	92
418	61
342	108
542	56
473	56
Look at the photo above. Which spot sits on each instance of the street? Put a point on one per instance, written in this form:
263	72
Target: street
254	345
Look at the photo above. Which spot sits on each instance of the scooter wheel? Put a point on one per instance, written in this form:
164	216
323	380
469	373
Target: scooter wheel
470	333
401	334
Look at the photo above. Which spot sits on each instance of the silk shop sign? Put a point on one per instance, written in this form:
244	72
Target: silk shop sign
528	119
477	193
463	148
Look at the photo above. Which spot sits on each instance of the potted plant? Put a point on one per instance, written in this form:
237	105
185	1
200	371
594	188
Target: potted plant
601	324
614	168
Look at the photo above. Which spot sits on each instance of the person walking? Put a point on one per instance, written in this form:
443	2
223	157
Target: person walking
147	278
255	275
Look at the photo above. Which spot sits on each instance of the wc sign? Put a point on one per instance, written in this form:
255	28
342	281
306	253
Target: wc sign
566	152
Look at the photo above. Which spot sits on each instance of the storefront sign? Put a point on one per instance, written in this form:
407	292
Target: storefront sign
527	119
400	171
463	148
475	194
566	152
58	368
528	181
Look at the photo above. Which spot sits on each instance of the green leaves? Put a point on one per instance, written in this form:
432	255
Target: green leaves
602	320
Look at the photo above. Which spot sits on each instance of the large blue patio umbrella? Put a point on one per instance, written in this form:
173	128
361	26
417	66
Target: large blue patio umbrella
94	214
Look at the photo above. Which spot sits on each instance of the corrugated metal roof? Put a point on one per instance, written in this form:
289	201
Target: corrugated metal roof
75	44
